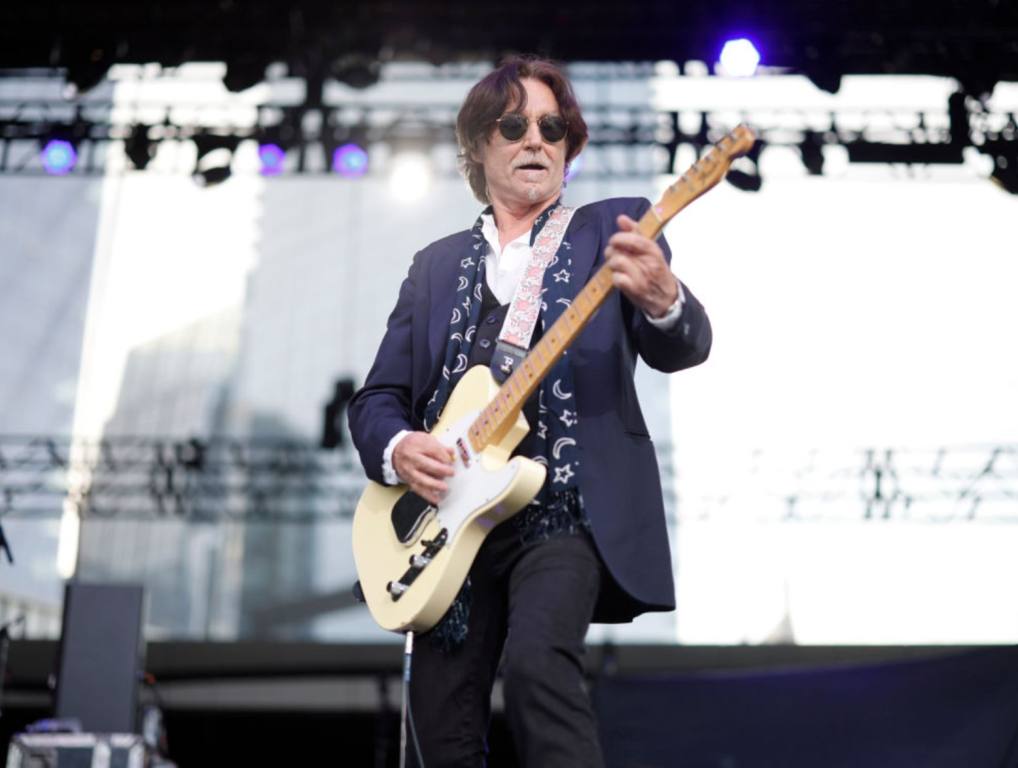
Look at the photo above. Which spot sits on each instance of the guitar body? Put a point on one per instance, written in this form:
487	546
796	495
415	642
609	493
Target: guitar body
391	525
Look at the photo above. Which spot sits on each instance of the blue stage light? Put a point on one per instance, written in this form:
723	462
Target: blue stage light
59	157
350	161
272	157
740	57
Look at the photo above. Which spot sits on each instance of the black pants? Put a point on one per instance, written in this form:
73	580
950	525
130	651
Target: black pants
536	602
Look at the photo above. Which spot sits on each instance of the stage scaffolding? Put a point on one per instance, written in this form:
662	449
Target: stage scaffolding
200	480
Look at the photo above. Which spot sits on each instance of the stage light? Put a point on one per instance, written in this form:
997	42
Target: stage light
744	172
59	157
356	70
411	177
272	157
84	69
139	147
747	182
215	153
739	58
350	161
1005	173
275	141
243	73
812	150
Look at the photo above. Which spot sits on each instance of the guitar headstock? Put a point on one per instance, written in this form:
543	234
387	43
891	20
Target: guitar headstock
705	172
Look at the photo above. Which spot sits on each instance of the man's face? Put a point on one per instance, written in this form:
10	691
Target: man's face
527	172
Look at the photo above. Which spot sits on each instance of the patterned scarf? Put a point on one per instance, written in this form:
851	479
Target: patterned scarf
555	442
558	507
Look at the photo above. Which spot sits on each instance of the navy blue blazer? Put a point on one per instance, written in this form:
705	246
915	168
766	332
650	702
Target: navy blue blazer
618	474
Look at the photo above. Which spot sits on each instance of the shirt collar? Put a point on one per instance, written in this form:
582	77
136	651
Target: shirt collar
490	230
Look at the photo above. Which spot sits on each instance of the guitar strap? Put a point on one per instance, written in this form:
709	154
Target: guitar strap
555	442
525	307
558	507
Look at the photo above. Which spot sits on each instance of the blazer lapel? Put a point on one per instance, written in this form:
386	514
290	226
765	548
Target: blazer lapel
584	244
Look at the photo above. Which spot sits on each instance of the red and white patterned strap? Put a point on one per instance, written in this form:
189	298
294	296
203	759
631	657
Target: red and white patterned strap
525	308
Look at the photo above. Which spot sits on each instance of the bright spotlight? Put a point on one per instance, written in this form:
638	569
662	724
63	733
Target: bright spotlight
739	58
59	157
411	177
271	157
350	161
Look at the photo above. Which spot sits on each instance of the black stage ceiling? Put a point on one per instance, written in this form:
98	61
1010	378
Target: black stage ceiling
975	41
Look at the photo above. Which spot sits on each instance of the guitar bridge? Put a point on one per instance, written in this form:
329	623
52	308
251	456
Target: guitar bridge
418	562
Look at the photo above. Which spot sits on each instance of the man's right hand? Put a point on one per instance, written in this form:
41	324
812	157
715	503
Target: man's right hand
423	463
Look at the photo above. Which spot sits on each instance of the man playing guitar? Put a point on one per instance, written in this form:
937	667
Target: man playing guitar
592	545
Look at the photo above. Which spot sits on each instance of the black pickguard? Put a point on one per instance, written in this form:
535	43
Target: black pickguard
408	515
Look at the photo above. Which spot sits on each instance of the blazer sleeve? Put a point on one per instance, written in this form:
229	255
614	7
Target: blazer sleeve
382	407
686	344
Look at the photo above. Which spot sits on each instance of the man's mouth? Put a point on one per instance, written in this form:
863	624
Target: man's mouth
531	167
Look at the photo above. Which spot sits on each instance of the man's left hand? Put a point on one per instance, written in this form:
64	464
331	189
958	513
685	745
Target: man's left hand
639	269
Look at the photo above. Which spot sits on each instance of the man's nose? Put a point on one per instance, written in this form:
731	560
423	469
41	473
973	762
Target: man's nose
532	138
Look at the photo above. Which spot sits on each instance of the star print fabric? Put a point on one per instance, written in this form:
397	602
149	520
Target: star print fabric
555	445
466	313
558	508
555	432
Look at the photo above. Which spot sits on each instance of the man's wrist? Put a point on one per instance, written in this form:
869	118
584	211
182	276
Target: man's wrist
668	320
389	474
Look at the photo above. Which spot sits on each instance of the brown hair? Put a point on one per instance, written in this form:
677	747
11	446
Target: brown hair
501	89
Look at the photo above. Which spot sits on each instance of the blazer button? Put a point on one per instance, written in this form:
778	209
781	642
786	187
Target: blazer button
492	320
485	343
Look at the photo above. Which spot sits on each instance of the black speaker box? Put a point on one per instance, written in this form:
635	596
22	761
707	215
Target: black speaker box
101	657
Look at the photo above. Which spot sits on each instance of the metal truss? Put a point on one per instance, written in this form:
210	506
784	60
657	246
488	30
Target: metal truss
286	481
133	478
942	485
335	116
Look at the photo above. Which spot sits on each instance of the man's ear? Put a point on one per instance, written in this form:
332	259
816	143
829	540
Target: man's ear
475	155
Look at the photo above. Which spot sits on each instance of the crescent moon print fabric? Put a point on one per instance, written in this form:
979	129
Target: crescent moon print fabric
555	443
558	508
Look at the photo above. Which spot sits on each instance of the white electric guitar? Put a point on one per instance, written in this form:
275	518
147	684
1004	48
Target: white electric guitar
412	557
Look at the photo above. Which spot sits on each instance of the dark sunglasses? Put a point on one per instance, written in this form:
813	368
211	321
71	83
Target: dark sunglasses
514	126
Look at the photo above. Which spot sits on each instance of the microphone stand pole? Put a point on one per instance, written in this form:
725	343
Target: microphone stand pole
408	650
5	641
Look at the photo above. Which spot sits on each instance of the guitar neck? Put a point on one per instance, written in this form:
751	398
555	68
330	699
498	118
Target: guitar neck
498	417
495	421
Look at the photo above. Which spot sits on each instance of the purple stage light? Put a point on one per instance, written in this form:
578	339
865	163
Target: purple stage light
59	157
740	57
272	156
350	160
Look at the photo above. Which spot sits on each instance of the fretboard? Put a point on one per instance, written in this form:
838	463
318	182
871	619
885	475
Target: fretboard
501	413
498	417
